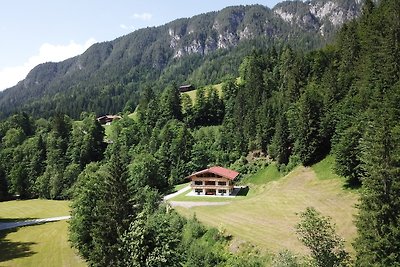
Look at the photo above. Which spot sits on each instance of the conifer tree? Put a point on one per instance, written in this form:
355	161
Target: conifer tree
378	223
304	123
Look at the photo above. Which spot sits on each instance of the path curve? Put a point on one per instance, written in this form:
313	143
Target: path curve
177	193
10	225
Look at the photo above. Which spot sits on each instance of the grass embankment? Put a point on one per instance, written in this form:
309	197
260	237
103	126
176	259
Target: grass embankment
323	169
180	186
268	215
264	176
37	245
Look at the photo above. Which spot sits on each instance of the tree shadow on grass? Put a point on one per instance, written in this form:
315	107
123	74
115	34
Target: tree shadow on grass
10	250
352	184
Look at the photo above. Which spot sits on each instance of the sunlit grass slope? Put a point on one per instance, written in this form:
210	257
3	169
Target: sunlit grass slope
268	215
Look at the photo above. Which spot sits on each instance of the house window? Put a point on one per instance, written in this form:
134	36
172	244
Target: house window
221	183
210	182
198	182
198	191
222	191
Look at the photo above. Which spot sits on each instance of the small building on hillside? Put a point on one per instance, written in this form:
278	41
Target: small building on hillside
213	181
107	119
186	88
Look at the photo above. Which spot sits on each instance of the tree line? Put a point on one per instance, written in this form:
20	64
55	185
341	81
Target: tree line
108	77
295	106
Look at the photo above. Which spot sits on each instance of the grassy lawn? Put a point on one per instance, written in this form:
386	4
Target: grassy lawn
31	209
107	130
180	186
324	169
263	176
37	245
267	218
133	116
192	94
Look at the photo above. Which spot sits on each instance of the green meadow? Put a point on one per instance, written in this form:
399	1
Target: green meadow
267	216
36	245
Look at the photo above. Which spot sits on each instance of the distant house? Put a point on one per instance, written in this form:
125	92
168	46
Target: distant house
107	119
186	88
213	181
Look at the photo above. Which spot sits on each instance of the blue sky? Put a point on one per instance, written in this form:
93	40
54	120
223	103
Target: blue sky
34	32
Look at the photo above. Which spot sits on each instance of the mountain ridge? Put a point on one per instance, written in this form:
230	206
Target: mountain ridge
118	69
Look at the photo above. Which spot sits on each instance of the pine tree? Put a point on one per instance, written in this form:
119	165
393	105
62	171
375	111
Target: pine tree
304	123
347	153
83	214
279	148
170	104
378	223
103	198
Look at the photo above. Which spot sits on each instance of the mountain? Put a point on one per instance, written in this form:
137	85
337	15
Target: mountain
109	76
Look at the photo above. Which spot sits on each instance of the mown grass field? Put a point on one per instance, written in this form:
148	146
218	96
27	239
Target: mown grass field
268	215
37	245
192	94
33	209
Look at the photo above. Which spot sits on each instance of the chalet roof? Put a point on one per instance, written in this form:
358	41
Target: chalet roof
113	117
186	88
227	173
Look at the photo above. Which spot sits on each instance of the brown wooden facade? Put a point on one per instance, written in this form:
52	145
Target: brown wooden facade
213	181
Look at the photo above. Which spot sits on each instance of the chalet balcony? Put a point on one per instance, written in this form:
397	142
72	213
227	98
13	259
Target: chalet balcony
211	186
211	183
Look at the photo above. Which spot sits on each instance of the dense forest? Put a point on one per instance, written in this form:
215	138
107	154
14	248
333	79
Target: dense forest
201	50
294	105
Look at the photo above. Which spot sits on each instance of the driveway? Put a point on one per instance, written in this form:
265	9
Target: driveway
189	204
9	225
177	193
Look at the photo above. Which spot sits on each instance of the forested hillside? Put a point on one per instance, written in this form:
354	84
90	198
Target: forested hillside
109	76
296	106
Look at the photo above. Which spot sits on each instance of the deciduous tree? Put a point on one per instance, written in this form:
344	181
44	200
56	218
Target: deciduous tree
318	234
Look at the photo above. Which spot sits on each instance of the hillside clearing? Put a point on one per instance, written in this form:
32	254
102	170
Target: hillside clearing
192	94
267	218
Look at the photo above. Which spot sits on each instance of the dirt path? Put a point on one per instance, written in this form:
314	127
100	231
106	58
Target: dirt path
9	225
